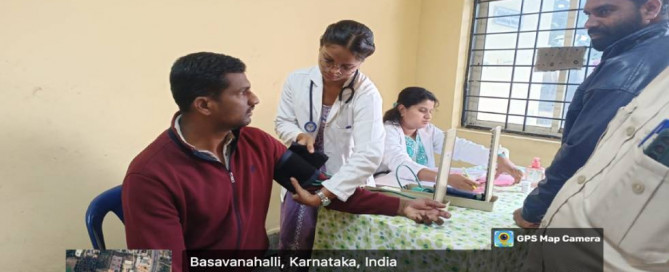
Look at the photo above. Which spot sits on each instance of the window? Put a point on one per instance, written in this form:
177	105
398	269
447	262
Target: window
502	87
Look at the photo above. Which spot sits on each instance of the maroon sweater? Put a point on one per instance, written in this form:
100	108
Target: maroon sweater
177	198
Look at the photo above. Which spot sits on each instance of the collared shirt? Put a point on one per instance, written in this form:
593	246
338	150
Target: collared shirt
226	143
627	67
622	190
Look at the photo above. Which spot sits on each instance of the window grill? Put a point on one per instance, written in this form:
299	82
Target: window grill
502	87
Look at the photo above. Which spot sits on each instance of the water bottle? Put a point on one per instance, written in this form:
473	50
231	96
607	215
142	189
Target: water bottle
533	174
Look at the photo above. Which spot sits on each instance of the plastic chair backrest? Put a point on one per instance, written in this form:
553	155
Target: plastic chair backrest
109	200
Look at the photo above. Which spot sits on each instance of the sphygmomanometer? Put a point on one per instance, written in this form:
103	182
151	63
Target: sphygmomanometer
297	162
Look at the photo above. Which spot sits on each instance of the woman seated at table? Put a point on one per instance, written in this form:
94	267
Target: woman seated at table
412	140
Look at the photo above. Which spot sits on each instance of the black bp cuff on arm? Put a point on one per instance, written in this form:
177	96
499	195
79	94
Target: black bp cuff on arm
292	165
316	159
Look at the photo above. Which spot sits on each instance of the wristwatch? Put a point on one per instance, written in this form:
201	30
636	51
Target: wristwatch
324	199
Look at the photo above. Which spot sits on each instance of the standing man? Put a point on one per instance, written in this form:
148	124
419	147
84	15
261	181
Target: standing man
622	189
205	183
634	35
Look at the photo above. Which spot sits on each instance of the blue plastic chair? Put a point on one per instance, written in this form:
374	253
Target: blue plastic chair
109	200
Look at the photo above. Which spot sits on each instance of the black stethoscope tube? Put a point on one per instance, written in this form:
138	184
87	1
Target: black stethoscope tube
311	125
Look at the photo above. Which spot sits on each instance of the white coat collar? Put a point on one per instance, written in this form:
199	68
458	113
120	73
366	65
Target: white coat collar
315	76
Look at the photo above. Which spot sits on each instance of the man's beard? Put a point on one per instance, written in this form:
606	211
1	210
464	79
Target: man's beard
610	35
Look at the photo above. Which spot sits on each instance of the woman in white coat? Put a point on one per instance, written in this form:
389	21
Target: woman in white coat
333	108
412	140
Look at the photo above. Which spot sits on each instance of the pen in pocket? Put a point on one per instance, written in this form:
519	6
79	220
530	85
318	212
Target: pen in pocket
659	128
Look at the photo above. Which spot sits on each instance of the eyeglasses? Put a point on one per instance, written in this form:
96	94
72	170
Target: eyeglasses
343	68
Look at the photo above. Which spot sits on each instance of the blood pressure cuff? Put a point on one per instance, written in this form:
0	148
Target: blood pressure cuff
305	170
316	159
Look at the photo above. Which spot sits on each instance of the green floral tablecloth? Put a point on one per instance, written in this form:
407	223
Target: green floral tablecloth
462	243
466	229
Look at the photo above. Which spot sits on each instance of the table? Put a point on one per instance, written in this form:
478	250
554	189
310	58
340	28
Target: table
462	243
467	229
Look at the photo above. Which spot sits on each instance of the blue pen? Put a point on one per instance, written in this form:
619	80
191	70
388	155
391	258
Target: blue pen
662	126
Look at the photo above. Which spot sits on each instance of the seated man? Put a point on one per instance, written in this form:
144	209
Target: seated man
206	182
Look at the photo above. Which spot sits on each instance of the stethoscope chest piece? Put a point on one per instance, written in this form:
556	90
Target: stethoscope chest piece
310	126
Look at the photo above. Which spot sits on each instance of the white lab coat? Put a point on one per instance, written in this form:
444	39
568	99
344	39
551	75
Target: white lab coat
622	190
433	141
353	134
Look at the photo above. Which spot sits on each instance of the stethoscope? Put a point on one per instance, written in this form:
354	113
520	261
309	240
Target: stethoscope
311	125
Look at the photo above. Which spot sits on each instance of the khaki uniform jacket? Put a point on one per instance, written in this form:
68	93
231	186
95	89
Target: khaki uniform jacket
622	190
